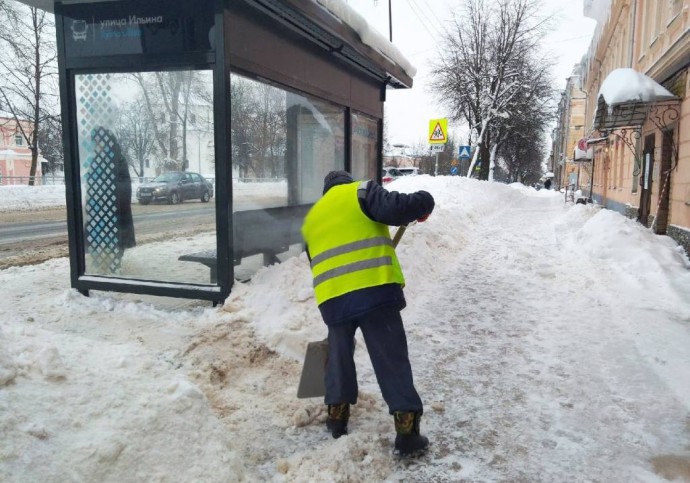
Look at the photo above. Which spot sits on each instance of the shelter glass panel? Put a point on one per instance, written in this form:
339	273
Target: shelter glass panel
283	144
136	147
365	146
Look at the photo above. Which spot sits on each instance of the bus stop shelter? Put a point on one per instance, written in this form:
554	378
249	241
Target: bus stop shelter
197	133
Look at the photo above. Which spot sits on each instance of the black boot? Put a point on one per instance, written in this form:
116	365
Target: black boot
408	441
338	416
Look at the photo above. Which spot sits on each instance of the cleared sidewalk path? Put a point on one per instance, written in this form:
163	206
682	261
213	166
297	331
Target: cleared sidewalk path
545	363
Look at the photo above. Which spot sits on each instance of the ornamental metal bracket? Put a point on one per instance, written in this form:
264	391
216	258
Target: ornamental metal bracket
630	137
663	115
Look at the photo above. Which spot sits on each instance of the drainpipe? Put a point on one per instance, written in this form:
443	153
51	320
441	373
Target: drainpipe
632	33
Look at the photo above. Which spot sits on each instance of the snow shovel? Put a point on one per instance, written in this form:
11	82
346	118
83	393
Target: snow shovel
311	382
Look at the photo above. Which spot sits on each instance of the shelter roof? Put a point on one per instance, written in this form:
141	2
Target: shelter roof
333	25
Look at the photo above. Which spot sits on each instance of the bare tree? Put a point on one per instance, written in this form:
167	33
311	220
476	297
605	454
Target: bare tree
531	109
50	143
480	72
27	67
241	113
4	19
135	131
422	156
268	130
259	127
168	97
522	156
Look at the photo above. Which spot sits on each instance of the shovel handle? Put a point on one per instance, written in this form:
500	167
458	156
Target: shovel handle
398	235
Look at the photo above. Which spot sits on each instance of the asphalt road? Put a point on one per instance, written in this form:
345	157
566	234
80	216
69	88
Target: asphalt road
33	237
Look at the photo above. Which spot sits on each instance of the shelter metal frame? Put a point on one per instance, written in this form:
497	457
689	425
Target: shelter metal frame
329	47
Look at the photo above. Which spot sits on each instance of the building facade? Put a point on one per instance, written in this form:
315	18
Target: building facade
641	146
569	130
15	155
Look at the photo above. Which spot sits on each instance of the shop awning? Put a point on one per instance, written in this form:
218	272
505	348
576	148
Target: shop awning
625	98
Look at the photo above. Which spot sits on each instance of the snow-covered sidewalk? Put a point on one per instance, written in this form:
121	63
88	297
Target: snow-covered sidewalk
549	343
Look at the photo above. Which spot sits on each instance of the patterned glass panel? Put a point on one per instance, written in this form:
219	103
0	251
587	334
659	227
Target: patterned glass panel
144	169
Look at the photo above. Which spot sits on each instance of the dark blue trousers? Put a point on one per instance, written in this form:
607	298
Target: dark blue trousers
386	342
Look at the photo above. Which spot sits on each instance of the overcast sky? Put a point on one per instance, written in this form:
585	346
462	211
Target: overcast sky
417	27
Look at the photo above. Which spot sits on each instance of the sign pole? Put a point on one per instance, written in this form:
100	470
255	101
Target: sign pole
436	165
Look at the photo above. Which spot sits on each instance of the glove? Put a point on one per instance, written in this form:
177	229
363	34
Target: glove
423	218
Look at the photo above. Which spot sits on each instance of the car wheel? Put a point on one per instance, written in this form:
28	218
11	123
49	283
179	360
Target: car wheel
174	198
205	197
142	202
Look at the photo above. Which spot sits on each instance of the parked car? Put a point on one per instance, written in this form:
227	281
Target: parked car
388	174
410	171
175	187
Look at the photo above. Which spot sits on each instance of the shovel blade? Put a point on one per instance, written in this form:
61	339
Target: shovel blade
311	383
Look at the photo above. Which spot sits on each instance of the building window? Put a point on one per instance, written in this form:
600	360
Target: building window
676	6
644	28
18	140
658	19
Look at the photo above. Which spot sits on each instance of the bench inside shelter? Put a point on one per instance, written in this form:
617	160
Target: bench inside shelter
266	231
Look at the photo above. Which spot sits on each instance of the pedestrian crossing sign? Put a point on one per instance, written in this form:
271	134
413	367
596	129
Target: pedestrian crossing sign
438	131
464	152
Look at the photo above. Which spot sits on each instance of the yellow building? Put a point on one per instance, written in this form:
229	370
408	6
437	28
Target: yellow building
570	129
637	111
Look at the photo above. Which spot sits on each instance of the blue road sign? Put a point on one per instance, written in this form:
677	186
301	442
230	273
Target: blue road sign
454	170
464	152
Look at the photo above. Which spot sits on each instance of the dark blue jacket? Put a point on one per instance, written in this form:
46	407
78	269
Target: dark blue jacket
391	208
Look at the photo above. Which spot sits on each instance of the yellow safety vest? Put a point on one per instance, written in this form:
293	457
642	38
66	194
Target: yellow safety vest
348	250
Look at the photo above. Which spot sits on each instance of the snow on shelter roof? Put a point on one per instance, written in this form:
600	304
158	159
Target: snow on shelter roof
624	99
359	43
370	36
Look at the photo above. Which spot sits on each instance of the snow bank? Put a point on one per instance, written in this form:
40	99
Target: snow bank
29	198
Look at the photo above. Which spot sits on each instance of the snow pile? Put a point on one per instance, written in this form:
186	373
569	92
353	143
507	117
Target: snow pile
647	261
627	85
83	408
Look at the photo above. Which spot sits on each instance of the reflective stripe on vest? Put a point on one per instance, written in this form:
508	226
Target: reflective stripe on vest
349	251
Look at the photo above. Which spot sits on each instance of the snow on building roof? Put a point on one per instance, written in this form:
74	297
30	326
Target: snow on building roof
627	85
369	36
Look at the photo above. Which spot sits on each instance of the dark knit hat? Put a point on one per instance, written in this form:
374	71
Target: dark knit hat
335	178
